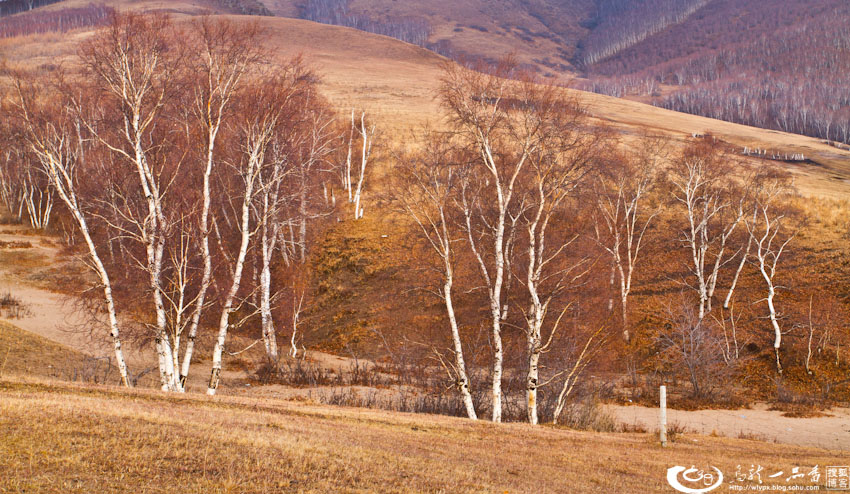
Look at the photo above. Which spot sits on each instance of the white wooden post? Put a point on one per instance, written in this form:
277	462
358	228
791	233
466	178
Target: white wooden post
662	430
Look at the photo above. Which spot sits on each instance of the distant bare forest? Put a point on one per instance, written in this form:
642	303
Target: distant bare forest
411	30
620	24
773	64
40	22
783	66
10	7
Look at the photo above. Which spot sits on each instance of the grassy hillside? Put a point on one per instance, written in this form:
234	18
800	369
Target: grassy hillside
398	81
80	439
25	354
542	34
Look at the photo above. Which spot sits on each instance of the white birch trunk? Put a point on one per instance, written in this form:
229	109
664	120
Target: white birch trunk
206	256
367	135
100	269
254	162
60	175
460	363
268	241
347	177
50	148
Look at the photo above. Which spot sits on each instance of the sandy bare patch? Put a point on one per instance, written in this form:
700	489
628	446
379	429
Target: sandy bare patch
830	432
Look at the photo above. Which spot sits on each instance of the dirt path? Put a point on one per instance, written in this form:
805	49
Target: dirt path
53	315
831	432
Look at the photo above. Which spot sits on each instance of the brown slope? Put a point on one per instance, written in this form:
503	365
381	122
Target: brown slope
400	81
540	33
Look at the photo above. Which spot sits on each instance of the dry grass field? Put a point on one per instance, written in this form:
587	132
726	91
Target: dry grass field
75	438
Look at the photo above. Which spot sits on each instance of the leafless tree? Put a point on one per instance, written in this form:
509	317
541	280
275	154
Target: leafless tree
261	113
55	137
490	121
133	66
364	131
427	182
624	214
565	151
225	54
770	233
691	343
713	207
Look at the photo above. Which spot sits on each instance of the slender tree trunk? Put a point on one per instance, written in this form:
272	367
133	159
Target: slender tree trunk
347	178
269	334
206	277
625	288
114	330
302	221
462	377
536	312
740	268
364	160
777	342
224	319
496	316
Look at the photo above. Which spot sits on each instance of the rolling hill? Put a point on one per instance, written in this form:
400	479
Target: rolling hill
96	437
398	80
778	64
71	438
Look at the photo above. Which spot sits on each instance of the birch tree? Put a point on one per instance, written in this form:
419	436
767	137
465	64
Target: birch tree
133	67
562	157
269	201
313	139
624	215
713	208
261	114
769	230
23	190
427	182
480	108
226	53
365	132
55	139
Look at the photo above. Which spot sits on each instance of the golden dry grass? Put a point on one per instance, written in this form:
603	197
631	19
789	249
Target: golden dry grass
27	354
74	438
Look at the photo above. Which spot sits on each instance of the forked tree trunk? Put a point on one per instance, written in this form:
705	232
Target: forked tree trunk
206	277
367	135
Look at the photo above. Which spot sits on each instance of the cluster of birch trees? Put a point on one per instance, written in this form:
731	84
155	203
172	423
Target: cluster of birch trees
500	191
338	12
191	166
539	198
195	171
54	21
